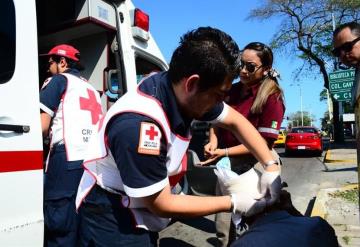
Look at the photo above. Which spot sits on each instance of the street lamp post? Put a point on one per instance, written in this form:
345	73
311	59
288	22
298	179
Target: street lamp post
301	104
310	115
301	107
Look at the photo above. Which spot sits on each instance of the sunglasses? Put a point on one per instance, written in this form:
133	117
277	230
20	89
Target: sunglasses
346	47
250	67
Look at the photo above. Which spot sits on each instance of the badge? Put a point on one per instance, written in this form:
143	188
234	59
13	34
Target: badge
274	124
149	141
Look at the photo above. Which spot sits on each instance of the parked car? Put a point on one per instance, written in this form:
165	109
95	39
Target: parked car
281	138
304	139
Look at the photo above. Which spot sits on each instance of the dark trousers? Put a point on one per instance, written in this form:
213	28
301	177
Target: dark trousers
61	181
104	222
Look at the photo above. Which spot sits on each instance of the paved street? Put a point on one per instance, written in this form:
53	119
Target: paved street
305	176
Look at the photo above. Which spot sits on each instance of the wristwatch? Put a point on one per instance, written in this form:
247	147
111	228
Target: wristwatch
270	163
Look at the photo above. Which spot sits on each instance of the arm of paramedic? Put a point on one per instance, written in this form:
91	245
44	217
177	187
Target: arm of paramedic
248	135
145	175
213	153
50	98
268	127
165	204
45	123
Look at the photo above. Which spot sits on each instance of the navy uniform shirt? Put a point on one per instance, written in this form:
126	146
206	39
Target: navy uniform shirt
139	171
50	96
50	103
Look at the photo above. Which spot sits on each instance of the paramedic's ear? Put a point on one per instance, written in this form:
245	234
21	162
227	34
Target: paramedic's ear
191	82
62	63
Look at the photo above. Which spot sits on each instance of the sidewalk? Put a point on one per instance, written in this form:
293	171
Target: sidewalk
338	205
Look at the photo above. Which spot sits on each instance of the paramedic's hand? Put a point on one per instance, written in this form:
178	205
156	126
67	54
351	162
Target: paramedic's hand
270	184
245	205
213	156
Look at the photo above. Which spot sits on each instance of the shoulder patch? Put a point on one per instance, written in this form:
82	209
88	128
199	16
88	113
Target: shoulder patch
149	140
274	124
46	82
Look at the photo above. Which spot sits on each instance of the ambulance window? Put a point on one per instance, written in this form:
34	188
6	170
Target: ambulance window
7	40
144	68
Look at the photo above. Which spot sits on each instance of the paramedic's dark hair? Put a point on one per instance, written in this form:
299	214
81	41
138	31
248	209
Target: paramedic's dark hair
354	28
208	52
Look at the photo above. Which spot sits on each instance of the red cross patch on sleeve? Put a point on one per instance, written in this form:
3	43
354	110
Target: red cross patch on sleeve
149	140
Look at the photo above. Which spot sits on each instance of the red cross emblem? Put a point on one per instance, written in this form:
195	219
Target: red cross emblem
151	133
90	104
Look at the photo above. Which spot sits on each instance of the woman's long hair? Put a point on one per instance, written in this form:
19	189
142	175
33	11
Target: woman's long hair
269	84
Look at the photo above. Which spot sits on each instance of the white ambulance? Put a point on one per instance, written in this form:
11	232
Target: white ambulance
116	50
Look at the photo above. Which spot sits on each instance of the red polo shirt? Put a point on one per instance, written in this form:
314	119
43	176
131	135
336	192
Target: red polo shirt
268	122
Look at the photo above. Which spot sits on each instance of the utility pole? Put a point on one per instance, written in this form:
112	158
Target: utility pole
337	106
301	107
301	104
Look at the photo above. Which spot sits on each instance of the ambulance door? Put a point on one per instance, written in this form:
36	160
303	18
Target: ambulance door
21	174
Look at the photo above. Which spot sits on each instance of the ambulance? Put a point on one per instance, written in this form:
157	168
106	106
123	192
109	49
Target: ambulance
117	50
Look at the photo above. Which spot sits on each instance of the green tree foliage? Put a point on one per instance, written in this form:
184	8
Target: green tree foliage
295	119
323	95
325	122
306	28
327	125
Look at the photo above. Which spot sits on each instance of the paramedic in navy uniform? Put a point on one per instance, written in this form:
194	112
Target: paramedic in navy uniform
139	153
70	110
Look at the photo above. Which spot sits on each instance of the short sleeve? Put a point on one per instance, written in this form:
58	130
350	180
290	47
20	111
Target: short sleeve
50	96
271	118
216	114
142	173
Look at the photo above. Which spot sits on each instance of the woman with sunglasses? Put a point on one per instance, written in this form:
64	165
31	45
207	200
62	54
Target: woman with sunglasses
260	99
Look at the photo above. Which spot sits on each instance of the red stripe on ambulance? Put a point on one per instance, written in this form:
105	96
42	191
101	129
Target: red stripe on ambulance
13	161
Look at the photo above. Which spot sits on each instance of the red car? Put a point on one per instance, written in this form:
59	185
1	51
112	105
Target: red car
304	139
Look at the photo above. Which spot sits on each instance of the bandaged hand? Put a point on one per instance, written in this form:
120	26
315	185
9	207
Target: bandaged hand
270	186
246	205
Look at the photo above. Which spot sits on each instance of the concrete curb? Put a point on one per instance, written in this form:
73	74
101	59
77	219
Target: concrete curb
319	208
327	159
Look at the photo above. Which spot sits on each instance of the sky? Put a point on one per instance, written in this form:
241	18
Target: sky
169	20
